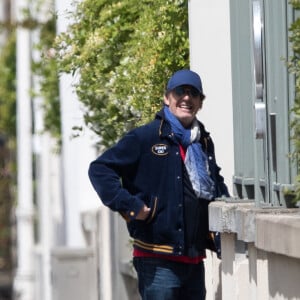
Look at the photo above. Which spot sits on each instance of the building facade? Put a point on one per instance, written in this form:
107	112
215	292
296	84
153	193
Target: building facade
259	224
81	250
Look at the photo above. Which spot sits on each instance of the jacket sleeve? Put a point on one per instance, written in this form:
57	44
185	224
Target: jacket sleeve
106	174
221	188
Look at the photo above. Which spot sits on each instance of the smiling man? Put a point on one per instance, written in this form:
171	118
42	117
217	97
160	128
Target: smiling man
184	96
161	178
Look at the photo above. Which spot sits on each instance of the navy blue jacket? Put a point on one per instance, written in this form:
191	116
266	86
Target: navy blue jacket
145	167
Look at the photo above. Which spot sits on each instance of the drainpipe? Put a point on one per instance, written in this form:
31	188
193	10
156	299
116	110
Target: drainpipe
24	279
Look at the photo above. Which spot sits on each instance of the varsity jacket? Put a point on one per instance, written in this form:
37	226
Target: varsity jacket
145	167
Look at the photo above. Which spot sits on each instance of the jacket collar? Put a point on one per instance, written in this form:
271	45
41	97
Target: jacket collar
164	127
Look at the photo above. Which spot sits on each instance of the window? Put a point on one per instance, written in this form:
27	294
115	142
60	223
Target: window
263	93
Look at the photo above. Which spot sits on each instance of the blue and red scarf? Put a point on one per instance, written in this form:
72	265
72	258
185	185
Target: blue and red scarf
196	162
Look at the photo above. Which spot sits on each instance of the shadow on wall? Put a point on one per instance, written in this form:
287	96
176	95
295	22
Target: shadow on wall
283	272
218	290
131	287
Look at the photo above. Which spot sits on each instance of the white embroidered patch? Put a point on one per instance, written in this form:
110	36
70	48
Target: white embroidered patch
160	149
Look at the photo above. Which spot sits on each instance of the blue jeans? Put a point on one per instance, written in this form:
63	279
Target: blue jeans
161	279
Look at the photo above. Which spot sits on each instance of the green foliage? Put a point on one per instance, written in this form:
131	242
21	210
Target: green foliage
8	86
7	133
295	4
6	203
124	51
46	69
294	68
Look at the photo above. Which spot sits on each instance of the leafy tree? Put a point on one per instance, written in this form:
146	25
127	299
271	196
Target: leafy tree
8	87
123	52
294	68
7	144
46	69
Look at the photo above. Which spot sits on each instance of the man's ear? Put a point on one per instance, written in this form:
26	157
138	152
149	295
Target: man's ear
166	100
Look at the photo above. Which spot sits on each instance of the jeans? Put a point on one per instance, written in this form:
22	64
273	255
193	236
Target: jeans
161	279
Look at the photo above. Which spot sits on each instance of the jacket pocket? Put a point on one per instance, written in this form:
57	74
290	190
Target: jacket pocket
153	207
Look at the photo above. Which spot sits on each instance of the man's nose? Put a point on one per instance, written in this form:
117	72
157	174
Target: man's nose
187	94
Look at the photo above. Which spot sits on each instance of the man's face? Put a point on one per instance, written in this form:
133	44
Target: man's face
184	102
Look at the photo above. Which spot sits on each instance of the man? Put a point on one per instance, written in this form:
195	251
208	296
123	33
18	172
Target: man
161	177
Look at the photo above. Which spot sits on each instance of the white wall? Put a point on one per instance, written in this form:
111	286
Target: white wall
260	251
209	29
77	153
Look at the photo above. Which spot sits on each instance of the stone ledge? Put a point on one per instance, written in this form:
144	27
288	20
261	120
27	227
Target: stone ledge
233	217
279	233
271	229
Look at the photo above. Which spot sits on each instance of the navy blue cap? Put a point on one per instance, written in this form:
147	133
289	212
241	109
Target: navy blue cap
185	77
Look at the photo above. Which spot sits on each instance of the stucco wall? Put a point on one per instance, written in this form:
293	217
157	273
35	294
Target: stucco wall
260	250
210	56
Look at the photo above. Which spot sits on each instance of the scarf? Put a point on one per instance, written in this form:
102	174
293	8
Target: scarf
196	162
